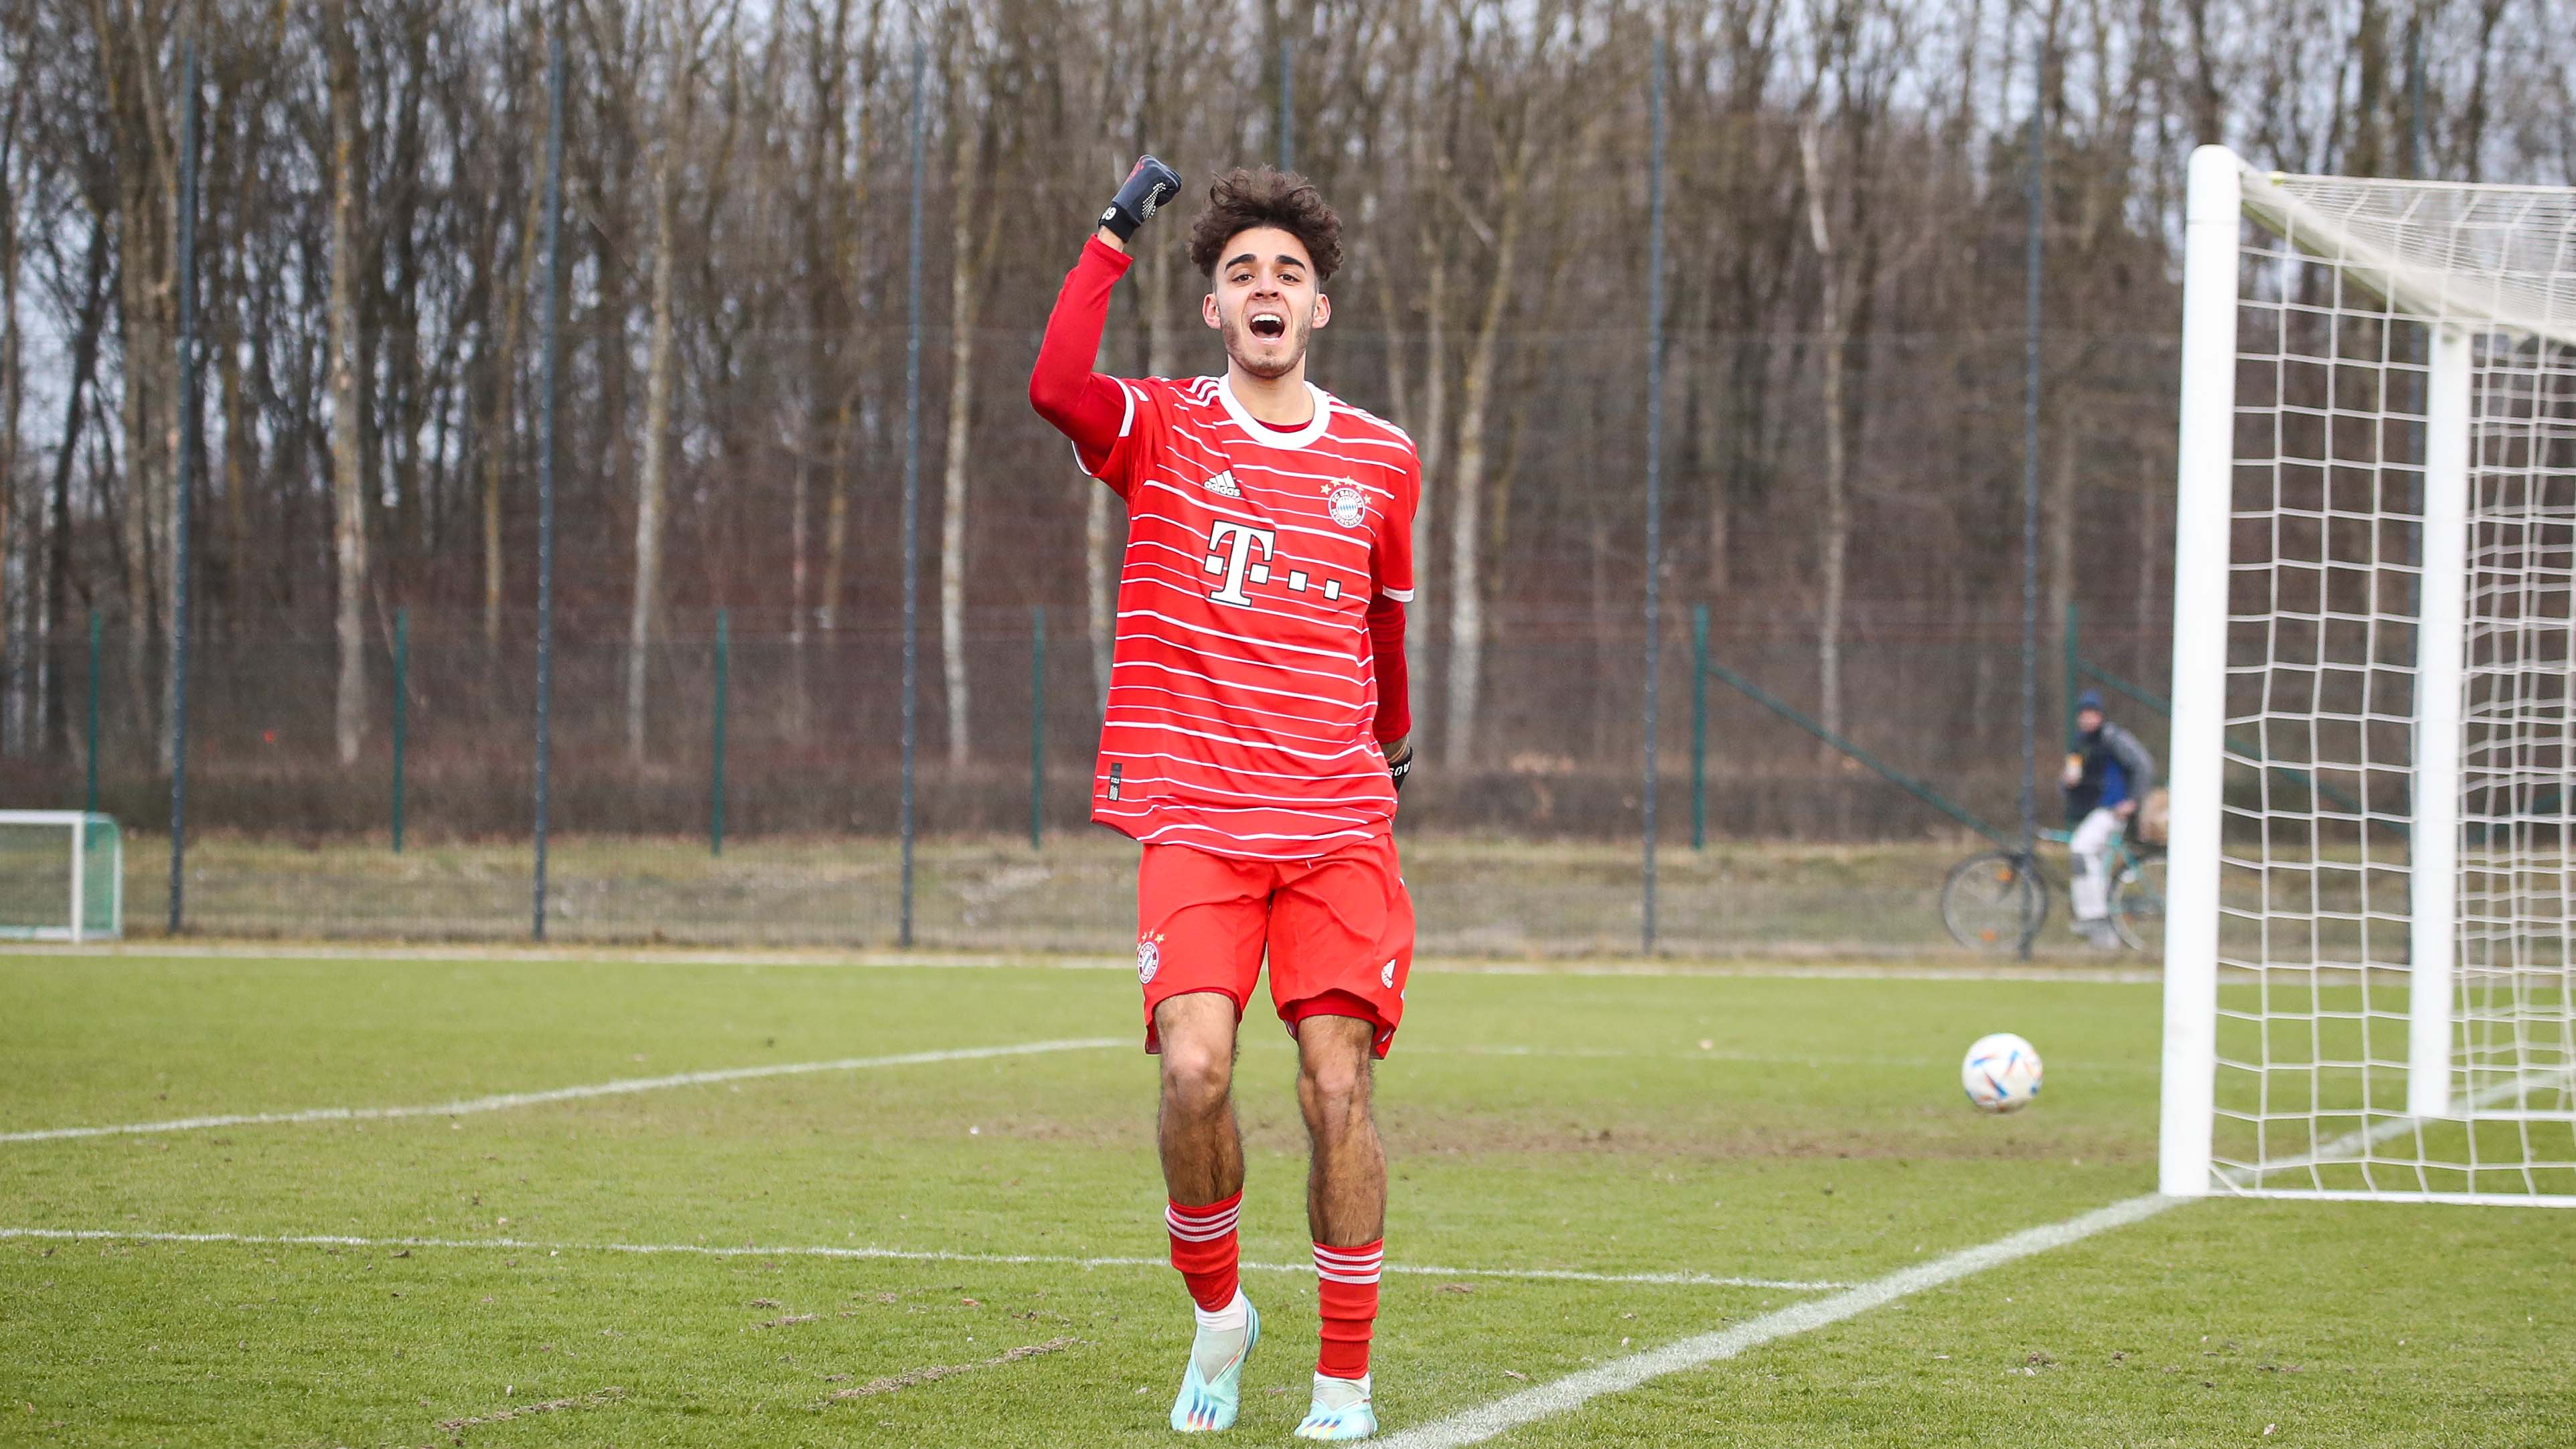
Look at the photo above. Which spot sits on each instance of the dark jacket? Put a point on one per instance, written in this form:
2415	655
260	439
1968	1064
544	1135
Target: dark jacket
2116	768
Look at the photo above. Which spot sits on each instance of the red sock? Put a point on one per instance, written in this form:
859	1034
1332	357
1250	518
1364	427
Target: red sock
1203	1248
1346	1293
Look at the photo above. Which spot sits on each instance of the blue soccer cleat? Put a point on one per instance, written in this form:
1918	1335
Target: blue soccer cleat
1340	1411
1209	1401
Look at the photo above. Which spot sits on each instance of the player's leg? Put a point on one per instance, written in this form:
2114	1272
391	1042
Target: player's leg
1346	1212
1198	950
1194	1123
1341	945
2089	883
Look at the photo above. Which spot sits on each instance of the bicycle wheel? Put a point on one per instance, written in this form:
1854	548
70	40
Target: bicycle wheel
1992	901
2138	905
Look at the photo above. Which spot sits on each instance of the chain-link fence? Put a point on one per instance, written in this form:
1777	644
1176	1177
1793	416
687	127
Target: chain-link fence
786	832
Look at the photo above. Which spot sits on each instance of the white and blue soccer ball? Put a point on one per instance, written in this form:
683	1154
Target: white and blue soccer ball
2001	1073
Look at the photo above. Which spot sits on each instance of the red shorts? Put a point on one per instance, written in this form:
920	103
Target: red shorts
1338	930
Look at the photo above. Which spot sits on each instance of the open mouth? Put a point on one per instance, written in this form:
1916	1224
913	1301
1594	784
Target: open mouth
1268	326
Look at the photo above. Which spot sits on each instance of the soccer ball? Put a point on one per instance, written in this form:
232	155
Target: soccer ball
2001	1073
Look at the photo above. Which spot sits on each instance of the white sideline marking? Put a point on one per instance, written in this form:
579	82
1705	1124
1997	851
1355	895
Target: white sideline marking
905	1255
1479	1424
505	1101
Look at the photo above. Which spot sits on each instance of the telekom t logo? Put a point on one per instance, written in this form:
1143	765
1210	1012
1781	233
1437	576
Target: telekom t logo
1230	547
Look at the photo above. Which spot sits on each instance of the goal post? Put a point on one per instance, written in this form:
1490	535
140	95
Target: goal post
2370	950
62	876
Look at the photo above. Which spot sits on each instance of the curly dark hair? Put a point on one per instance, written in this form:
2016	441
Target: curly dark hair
1243	199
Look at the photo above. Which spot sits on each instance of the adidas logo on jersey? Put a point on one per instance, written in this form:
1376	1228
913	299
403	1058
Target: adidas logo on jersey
1222	485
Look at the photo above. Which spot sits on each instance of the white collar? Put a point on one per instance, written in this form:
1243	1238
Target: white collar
1273	436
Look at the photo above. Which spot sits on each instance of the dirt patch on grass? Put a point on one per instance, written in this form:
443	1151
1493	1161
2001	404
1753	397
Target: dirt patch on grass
913	1377
592	1400
1413	1132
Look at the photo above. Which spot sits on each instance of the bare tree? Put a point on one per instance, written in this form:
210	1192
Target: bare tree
1515	127
13	583
348	396
1834	525
974	231
498	425
131	36
683	37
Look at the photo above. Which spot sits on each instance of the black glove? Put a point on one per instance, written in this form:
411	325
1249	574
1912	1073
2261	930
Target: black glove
1400	764
1148	186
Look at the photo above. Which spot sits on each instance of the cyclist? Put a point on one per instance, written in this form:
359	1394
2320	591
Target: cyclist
2107	773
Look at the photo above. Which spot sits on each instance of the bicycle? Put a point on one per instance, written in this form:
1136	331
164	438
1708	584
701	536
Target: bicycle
2001	897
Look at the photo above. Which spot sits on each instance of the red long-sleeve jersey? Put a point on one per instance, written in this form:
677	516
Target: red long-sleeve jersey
1259	664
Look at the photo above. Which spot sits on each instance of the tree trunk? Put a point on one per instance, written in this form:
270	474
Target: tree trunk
1466	596
1836	523
661	365
845	438
2145	542
348	469
13	561
800	699
1716	456
1429	445
961	400
129	50
241	456
58	508
499	428
836	528
2062	538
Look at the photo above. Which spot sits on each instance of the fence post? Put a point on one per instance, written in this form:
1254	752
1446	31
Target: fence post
912	493
552	349
2074	665
1037	724
1699	726
402	713
724	675
1654	488
182	488
89	797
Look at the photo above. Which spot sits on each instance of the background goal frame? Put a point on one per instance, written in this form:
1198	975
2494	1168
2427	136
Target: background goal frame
81	828
2451	298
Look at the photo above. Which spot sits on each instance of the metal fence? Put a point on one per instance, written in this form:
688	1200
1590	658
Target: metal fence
763	806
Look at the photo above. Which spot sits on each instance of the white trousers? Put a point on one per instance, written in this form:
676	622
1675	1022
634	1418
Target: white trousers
2091	886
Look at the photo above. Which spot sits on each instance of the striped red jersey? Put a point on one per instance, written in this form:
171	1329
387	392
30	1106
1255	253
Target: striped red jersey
1242	691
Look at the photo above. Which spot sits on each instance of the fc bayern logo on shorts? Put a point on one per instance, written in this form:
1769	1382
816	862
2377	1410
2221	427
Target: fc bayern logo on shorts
1149	959
1347	504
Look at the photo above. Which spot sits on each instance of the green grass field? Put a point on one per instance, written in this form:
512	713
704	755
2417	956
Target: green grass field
1778	1136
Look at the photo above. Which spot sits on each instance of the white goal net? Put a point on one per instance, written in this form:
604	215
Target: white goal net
2370	948
62	876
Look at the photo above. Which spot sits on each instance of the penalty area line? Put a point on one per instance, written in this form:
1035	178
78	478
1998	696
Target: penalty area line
898	1255
507	1101
1475	1426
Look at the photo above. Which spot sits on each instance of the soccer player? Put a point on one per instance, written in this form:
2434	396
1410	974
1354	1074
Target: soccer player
1255	737
2107	774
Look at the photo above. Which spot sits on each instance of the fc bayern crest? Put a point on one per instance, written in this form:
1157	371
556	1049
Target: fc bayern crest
1347	504
1149	959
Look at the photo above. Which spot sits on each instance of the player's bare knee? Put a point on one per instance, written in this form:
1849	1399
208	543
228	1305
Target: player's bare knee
1197	1076
1333	1092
